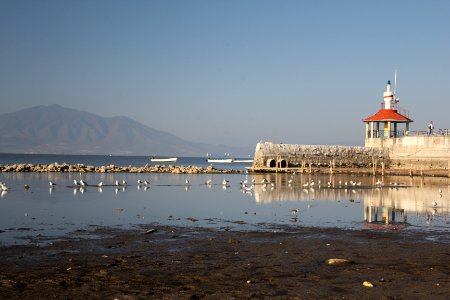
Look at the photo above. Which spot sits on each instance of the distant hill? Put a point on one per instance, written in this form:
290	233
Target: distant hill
58	130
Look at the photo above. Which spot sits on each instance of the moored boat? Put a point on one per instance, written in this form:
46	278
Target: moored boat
243	160
220	160
163	159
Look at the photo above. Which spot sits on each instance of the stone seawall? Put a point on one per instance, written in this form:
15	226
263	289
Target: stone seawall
272	156
416	152
81	168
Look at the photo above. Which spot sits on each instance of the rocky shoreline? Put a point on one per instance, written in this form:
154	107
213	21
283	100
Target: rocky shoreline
82	168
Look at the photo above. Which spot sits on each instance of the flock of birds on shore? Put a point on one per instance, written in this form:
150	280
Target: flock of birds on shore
246	186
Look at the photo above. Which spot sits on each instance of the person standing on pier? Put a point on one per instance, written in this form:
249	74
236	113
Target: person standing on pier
430	128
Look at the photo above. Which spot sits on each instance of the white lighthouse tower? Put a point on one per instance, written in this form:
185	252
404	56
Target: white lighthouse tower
388	96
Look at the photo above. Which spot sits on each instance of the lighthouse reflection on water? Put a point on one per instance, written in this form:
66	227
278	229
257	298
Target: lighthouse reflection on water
390	205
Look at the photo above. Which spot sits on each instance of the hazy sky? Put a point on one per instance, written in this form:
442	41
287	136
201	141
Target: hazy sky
230	72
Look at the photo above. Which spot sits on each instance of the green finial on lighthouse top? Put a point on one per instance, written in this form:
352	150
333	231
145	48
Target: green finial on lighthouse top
389	82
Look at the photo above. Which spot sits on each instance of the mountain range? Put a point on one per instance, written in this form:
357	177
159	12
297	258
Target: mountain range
58	130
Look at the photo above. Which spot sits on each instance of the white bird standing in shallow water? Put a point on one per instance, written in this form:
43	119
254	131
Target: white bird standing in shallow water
124	182
51	183
82	183
139	181
146	182
100	184
75	182
117	183
186	182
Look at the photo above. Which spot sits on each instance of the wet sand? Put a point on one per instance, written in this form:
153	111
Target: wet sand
196	263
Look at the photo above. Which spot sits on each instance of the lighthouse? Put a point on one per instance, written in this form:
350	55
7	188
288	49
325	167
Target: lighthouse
390	119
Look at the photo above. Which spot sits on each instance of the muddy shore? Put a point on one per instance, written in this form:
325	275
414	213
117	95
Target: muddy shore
160	262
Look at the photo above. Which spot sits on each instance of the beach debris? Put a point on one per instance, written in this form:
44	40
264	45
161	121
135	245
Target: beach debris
367	284
151	230
192	219
232	241
338	261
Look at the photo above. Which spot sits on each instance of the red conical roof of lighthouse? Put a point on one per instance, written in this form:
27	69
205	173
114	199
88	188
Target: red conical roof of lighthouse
387	113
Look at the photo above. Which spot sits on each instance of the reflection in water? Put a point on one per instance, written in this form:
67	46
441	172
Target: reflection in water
387	205
343	201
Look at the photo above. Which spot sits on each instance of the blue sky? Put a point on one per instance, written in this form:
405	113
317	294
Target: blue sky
230	72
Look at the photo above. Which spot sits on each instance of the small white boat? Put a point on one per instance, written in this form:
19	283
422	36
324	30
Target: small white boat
243	160
220	160
164	159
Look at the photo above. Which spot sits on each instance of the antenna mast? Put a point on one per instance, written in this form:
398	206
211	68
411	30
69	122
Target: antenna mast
395	82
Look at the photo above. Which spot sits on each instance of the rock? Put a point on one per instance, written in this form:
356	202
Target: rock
337	261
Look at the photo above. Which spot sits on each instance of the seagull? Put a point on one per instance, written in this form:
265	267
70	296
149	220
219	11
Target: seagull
294	211
186	182
26	186
75	182
139	181
306	184
4	187
209	181
146	182
100	184
290	181
117	183
225	182
434	203
51	183
124	182
82	182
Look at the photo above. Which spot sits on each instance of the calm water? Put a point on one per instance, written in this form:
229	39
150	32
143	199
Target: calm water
28	215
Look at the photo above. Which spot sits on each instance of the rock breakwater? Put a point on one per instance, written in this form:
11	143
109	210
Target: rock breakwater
81	168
